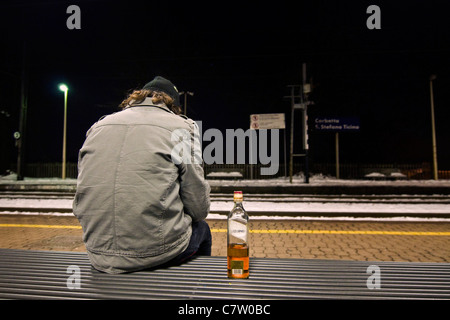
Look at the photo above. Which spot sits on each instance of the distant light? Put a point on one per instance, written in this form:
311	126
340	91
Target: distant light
63	87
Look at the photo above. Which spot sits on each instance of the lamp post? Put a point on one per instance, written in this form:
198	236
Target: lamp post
65	89
433	130
185	99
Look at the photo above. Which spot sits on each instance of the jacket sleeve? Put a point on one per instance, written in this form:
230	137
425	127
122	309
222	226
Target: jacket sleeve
194	189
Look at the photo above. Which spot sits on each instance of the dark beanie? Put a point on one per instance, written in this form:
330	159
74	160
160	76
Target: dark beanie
164	85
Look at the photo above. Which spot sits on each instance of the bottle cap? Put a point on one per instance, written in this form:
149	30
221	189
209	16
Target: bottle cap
238	195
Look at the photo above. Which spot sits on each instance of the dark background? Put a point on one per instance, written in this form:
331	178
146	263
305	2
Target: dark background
238	58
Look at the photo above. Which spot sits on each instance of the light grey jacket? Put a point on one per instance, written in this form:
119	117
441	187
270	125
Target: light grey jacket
135	198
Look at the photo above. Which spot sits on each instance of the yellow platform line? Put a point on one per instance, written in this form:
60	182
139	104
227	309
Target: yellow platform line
373	232
48	226
288	231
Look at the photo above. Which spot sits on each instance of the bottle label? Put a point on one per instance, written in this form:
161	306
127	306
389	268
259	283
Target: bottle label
237	267
238	230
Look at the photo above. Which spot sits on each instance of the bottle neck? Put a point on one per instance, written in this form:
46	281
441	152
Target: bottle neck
238	203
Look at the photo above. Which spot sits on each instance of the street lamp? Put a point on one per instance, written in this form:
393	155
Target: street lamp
185	99
433	129
65	89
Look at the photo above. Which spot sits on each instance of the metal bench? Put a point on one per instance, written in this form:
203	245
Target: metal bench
68	275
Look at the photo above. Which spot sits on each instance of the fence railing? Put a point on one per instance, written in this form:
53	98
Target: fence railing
50	170
347	171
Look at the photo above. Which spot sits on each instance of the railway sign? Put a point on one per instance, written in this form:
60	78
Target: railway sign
337	124
267	121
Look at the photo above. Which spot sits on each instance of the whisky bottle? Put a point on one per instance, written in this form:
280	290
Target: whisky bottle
237	240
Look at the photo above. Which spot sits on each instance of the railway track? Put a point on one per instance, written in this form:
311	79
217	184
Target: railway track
407	199
293	205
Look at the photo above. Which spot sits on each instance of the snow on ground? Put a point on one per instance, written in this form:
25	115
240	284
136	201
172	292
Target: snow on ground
269	210
36	203
315	180
328	207
320	180
267	206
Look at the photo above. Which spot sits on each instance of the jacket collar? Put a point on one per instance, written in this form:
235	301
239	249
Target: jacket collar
148	103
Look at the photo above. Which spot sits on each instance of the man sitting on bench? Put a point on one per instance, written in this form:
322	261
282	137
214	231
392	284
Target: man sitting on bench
139	208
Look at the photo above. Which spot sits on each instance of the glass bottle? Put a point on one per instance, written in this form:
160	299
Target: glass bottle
237	240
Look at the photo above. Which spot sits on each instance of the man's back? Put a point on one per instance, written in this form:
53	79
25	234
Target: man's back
128	197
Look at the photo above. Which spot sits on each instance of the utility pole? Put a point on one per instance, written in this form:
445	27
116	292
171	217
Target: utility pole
302	96
337	154
306	88
433	130
291	147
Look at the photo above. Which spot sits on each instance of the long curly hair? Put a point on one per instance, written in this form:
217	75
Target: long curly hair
137	96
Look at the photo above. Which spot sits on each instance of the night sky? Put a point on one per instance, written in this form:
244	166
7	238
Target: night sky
238	58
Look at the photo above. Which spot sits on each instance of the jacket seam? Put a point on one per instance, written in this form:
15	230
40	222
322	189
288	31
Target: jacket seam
134	124
163	201
116	174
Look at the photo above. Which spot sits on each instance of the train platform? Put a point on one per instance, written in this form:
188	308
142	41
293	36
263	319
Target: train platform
424	239
379	240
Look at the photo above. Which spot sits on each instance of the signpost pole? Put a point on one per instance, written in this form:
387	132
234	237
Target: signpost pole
336	125
285	161
337	155
251	157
